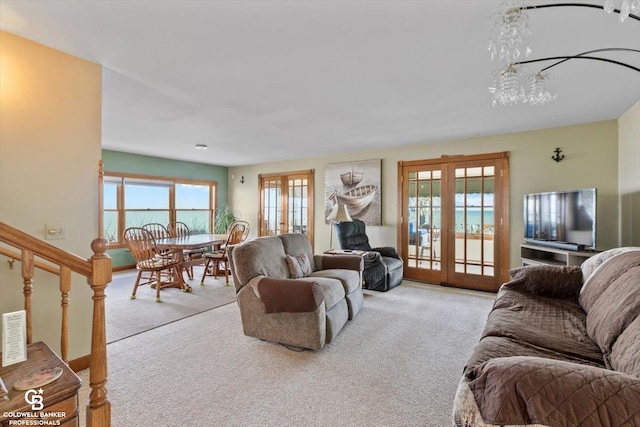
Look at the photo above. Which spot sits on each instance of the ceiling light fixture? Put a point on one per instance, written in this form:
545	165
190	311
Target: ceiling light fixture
201	147
627	8
509	42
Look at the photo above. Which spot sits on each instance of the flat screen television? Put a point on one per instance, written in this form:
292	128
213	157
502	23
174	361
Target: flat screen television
563	219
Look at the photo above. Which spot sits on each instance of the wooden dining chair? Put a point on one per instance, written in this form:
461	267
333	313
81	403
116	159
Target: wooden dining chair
157	230
180	229
237	233
150	260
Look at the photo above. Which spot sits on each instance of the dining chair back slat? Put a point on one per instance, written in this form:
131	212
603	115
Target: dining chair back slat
178	229
157	230
141	244
237	233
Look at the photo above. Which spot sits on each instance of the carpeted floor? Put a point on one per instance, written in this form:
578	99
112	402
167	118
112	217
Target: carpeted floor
127	317
397	364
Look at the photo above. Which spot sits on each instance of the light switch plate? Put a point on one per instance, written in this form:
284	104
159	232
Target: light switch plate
55	231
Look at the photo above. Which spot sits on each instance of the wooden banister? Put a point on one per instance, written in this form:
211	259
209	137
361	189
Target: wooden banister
13	256
44	250
97	270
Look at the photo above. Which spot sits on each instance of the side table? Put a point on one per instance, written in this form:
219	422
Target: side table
344	252
59	399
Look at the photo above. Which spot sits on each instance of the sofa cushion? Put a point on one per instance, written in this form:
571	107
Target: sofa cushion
298	266
550	280
263	256
491	347
331	289
350	279
618	304
557	325
625	354
591	264
602	278
533	390
296	244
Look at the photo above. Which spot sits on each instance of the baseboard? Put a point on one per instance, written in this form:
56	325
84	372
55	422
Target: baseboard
81	363
124	267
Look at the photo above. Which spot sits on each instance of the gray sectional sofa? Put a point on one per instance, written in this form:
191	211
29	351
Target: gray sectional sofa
288	295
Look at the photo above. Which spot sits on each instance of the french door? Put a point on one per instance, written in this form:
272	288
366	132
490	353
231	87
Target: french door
286	203
454	226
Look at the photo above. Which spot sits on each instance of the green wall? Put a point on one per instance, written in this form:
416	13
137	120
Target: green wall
116	161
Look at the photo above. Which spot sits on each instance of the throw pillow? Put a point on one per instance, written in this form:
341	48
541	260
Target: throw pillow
550	280
299	266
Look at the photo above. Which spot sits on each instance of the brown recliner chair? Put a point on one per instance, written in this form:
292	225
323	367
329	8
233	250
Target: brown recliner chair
290	296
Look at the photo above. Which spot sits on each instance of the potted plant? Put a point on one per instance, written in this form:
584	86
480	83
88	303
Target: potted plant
224	216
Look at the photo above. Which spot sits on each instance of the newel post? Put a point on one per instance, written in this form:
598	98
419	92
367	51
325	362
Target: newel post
99	408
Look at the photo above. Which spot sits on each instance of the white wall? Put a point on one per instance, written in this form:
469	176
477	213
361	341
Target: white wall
591	161
50	115
629	176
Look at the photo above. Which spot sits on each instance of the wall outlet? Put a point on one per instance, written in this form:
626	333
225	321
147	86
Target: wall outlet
55	231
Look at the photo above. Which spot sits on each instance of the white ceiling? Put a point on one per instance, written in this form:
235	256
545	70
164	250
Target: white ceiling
260	81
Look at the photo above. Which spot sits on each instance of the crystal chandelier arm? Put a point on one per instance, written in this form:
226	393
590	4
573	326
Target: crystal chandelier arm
608	49
594	6
566	58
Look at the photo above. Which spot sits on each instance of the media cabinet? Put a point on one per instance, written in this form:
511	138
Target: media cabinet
542	255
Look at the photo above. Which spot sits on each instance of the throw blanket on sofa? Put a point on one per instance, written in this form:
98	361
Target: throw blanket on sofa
561	358
526	390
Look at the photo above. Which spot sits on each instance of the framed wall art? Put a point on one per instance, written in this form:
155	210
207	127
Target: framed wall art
357	186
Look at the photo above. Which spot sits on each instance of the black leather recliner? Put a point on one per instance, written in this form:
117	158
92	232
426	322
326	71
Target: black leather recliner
383	267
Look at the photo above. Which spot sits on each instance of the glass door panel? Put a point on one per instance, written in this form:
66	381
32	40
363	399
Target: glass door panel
286	203
424	223
271	207
298	209
474	213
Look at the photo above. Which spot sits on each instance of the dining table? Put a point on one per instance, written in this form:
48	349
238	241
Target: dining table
190	242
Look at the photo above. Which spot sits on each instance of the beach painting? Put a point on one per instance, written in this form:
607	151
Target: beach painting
357	186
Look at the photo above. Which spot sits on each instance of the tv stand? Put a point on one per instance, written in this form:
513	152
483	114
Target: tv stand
532	254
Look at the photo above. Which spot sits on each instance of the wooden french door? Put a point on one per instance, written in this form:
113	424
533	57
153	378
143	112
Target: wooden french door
454	226
286	203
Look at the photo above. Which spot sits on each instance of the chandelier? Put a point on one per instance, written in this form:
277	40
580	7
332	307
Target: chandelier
509	44
626	8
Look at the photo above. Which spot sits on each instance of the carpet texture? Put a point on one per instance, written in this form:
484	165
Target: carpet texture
127	317
397	364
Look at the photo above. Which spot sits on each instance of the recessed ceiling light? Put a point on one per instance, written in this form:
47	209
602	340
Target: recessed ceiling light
201	147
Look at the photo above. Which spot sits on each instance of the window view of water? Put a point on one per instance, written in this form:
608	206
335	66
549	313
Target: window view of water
148	200
197	221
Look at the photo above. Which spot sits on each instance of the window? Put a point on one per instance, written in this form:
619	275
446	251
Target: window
193	207
146	201
132	201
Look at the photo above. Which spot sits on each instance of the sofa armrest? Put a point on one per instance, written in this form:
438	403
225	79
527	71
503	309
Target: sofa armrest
289	295
562	282
346	262
387	251
533	390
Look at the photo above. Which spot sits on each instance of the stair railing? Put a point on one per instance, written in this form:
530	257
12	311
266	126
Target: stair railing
97	270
